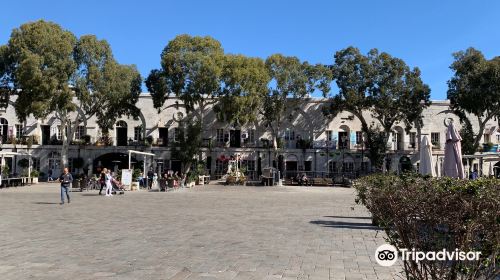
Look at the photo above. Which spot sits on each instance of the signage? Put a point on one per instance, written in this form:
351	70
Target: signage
126	177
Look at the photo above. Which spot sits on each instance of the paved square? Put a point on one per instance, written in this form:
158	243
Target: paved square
209	232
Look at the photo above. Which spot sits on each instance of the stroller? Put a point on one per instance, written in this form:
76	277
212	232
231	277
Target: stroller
117	187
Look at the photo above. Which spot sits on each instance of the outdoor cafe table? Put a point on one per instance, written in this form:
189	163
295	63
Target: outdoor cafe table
204	179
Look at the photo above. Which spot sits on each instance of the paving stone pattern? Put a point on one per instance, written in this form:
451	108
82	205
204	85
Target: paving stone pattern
209	232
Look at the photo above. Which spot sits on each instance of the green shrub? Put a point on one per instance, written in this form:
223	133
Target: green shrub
35	173
432	214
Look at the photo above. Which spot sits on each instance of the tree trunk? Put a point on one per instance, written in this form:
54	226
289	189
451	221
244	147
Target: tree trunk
482	124
65	142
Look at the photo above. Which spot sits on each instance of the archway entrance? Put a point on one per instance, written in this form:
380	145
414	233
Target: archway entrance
112	161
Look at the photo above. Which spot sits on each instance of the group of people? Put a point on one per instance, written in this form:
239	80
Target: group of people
169	179
106	180
302	179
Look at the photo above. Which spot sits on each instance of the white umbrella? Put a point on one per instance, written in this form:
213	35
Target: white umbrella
426	166
491	171
453	166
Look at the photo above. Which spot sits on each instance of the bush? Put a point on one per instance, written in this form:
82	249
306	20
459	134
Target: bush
432	214
35	174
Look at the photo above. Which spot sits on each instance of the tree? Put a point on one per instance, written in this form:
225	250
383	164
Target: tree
382	85
54	73
291	81
191	70
474	91
188	144
244	80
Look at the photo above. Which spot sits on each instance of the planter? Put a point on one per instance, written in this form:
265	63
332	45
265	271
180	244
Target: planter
34	180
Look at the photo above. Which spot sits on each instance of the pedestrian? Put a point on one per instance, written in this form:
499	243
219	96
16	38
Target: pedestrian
109	186
65	179
183	180
102	180
155	181
50	176
176	180
140	178
150	177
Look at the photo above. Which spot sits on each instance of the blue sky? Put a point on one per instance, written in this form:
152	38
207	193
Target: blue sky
423	33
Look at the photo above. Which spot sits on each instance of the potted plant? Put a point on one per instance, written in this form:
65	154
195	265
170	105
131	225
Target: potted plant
436	145
34	176
135	179
5	171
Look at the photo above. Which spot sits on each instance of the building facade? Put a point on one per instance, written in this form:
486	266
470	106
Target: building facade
310	142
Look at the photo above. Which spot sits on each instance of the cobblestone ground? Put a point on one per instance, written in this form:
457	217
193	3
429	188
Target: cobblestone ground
210	232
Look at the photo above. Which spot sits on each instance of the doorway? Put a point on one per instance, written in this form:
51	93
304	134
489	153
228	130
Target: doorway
343	140
121	133
163	136
45	134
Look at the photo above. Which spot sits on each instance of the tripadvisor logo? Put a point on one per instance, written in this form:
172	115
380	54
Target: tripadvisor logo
387	255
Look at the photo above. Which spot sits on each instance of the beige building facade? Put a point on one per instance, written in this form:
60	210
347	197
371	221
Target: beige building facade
310	142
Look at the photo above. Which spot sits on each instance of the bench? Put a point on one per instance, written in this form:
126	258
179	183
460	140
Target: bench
321	181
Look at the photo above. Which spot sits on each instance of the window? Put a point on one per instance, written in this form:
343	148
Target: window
19	131
250	165
486	138
80	132
332	166
498	138
413	139
251	135
289	134
35	164
359	137
59	133
329	135
435	138
177	134
138	133
220	135
220	167
348	166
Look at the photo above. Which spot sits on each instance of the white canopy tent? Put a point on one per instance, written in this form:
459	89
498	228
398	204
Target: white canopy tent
130	152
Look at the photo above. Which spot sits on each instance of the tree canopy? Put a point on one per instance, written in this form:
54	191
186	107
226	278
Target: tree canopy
474	90
244	82
291	81
379	84
53	72
191	70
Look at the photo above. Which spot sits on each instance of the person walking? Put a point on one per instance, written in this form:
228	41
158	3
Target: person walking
102	180
65	179
109	187
150	178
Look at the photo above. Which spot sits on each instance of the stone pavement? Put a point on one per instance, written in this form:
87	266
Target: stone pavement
209	232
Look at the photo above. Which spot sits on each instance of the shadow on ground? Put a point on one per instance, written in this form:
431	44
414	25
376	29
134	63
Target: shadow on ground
344	224
46	203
